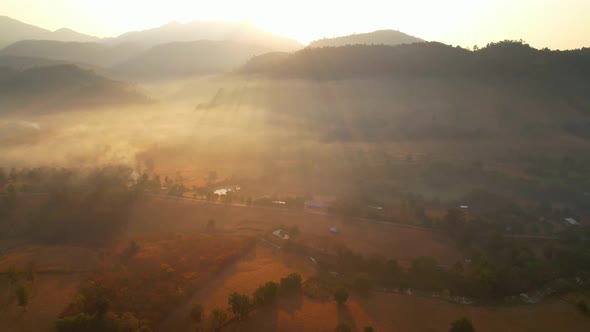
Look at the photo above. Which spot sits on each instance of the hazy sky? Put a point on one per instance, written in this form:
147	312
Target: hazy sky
551	23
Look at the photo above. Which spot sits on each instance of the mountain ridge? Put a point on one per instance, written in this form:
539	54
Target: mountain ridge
61	86
378	37
12	30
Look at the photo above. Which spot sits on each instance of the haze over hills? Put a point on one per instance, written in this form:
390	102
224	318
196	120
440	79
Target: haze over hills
380	37
61	87
12	31
189	58
19	62
172	50
96	54
220	31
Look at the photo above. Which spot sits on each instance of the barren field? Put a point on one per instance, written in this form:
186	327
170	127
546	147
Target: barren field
393	312
58	272
367	238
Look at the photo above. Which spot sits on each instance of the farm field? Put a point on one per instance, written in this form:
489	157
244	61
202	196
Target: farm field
58	273
394	312
367	238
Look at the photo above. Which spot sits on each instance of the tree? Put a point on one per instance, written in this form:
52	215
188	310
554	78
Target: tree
266	293
30	272
3	178
79	322
217	319
341	295
102	307
197	313
22	295
462	325
211	224
343	327
212	177
13	274
128	323
131	250
424	266
583	307
241	304
290	282
455	221
362	284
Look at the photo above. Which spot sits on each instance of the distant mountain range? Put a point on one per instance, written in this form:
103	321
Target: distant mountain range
168	51
46	88
189	58
12	31
218	31
380	37
96	54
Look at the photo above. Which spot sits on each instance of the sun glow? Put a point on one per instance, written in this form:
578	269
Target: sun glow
463	22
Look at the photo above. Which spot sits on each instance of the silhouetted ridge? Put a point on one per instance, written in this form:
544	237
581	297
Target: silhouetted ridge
504	59
380	37
61	86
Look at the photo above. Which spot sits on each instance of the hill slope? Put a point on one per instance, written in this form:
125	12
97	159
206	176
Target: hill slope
380	37
190	58
75	52
219	31
12	31
61	87
509	60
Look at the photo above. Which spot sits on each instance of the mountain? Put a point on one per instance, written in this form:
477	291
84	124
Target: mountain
189	58
61	87
96	54
19	62
503	60
381	37
12	31
219	31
